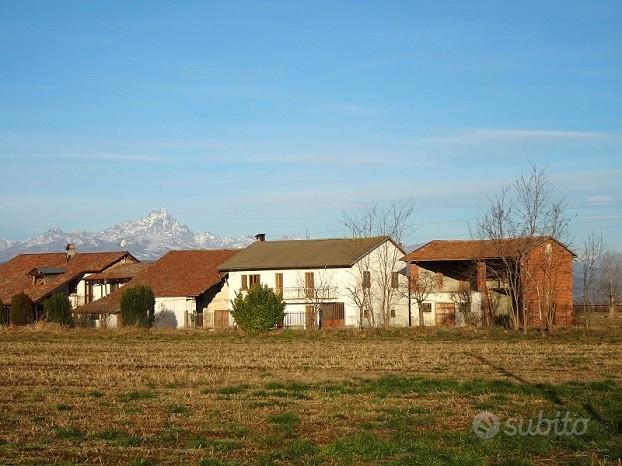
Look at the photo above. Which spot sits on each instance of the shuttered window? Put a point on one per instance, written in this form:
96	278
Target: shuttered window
309	280
395	280
278	282
253	280
366	279
244	284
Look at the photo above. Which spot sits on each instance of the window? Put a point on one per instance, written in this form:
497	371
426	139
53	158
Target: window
244	284
114	286
426	307
392	313
366	279
395	280
253	280
366	313
309	284
88	292
278	283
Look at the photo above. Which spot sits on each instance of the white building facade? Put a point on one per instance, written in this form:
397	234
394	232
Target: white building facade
357	282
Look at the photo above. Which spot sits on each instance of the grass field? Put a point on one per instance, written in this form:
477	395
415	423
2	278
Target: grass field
399	397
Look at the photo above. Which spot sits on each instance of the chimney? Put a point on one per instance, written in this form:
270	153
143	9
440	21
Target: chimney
71	251
260	237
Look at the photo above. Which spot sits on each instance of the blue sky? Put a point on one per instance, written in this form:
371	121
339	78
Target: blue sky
277	116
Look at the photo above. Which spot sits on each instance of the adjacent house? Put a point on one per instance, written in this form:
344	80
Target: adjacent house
43	274
186	285
487	279
346	282
100	285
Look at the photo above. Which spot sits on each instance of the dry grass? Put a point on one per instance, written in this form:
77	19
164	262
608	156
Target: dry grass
132	397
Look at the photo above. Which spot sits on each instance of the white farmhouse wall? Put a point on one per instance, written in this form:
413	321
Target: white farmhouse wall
341	279
294	278
384	255
220	302
183	308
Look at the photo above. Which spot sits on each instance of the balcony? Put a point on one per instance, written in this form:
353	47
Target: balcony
299	293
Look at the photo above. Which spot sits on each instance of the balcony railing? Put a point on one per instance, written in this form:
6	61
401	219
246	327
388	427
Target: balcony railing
299	293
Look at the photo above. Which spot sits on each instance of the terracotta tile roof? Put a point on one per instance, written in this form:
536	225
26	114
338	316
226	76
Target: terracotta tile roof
298	254
125	271
451	250
14	276
176	274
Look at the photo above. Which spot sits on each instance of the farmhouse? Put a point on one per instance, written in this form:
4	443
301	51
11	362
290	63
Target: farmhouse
41	275
186	284
487	279
351	282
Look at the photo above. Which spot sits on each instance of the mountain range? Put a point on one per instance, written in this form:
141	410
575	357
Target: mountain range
146	238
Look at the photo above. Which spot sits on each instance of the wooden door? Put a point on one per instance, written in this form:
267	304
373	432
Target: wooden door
445	313
221	319
333	315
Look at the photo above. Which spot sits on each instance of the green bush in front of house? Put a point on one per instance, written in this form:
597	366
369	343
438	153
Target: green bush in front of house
22	310
259	311
138	306
57	308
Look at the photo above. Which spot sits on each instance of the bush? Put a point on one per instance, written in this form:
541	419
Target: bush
57	308
22	310
259	311
165	318
138	306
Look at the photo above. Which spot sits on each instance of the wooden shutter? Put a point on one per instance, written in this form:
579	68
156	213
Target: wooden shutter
366	279
278	283
395	280
309	280
244	282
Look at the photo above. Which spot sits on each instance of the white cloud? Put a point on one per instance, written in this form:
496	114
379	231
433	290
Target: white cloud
601	200
492	135
90	156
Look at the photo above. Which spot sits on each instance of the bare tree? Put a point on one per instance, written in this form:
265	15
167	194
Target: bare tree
462	297
359	290
318	292
527	209
373	286
611	278
593	248
422	284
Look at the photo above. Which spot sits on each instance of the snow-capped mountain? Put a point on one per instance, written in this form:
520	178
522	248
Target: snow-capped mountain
146	238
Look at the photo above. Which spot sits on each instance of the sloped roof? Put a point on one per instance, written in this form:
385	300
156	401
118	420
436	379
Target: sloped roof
14	278
176	274
299	254
451	250
120	272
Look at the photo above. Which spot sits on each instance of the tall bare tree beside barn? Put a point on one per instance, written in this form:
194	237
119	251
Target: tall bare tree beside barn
592	251
395	220
422	284
611	278
527	208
